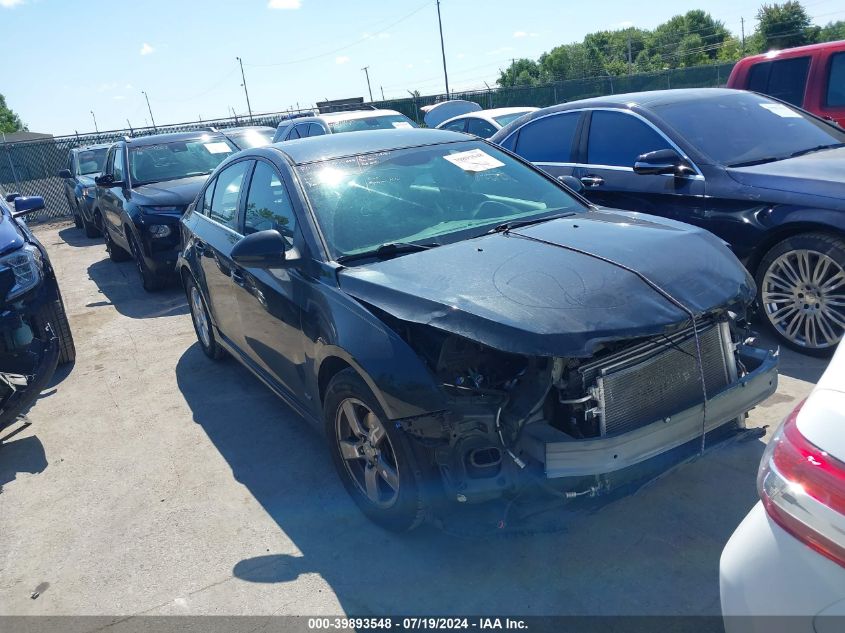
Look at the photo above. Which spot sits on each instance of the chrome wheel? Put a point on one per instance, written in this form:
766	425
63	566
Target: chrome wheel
367	453
803	296
200	317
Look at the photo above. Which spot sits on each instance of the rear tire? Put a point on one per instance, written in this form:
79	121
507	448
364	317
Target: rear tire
801	292
54	314
374	460
92	229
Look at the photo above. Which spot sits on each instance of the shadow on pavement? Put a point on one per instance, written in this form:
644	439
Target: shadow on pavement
792	363
655	552
76	237
121	288
25	455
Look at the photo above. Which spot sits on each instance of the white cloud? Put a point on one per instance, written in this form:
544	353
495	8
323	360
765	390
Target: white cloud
8	4
146	49
341	60
284	4
519	34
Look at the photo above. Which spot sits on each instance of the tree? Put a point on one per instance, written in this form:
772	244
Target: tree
832	32
9	121
521	72
785	25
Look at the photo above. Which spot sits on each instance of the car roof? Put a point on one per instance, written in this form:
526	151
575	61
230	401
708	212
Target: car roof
246	128
155	139
330	146
793	52
86	148
489	114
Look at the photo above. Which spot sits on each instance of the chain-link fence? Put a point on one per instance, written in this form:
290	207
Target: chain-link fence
31	167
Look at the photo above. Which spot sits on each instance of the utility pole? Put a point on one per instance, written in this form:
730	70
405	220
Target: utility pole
630	57
367	73
382	92
246	92
150	109
93	116
131	132
742	21
442	49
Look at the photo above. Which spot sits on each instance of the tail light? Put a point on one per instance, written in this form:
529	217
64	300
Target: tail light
803	490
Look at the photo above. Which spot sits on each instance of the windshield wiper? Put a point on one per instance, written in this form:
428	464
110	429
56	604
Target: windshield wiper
817	148
390	249
515	224
759	161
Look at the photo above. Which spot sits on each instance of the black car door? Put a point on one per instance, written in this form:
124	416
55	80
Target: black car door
614	140
549	142
215	235
269	300
111	198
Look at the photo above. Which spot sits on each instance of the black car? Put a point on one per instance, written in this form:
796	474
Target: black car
146	185
765	176
34	332
453	316
249	136
83	164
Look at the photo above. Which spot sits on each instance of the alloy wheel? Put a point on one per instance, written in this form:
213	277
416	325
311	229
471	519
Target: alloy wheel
367	453
803	296
200	317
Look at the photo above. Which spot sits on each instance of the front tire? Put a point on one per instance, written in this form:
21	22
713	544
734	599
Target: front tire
801	292
54	314
374	460
92	229
202	321
116	253
149	280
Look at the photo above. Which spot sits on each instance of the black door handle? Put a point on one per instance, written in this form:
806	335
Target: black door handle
199	247
592	181
238	278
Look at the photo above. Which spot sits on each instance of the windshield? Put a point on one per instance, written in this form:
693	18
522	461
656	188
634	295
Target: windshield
744	127
504	119
436	193
179	159
380	122
90	161
247	139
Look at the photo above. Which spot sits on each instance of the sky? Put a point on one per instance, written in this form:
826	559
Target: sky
63	59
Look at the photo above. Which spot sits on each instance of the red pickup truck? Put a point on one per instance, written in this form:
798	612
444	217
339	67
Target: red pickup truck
812	77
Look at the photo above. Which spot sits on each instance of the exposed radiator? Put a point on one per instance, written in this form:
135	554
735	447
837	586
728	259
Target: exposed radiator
659	378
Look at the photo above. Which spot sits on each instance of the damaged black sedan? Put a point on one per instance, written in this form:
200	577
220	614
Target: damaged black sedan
453	316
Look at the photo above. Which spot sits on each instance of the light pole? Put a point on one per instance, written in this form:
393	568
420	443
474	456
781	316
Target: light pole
442	49
367	73
96	129
149	108
246	92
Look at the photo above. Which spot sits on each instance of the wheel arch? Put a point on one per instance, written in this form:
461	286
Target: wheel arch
799	226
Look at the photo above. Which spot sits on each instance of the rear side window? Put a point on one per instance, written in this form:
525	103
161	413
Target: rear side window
548	140
455	126
785	79
224	201
836	81
480	127
315	129
617	139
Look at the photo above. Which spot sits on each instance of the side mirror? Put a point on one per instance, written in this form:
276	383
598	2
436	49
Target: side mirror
264	249
28	204
572	182
11	197
662	161
104	180
65	173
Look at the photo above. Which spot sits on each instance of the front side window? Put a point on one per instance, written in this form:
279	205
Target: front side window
380	122
227	191
118	170
836	81
293	134
315	129
455	126
736	128
175	160
268	205
480	127
549	139
788	79
205	207
438	193
617	139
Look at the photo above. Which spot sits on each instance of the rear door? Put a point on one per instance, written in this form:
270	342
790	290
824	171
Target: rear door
832	84
216	235
269	300
549	142
615	138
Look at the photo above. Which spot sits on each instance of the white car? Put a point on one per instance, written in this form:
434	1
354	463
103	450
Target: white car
787	557
484	123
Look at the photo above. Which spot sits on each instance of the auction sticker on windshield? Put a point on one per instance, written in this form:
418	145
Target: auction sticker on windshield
474	160
217	148
402	125
781	110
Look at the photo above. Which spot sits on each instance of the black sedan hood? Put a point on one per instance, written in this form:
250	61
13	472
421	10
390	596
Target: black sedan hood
524	292
820	175
169	192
